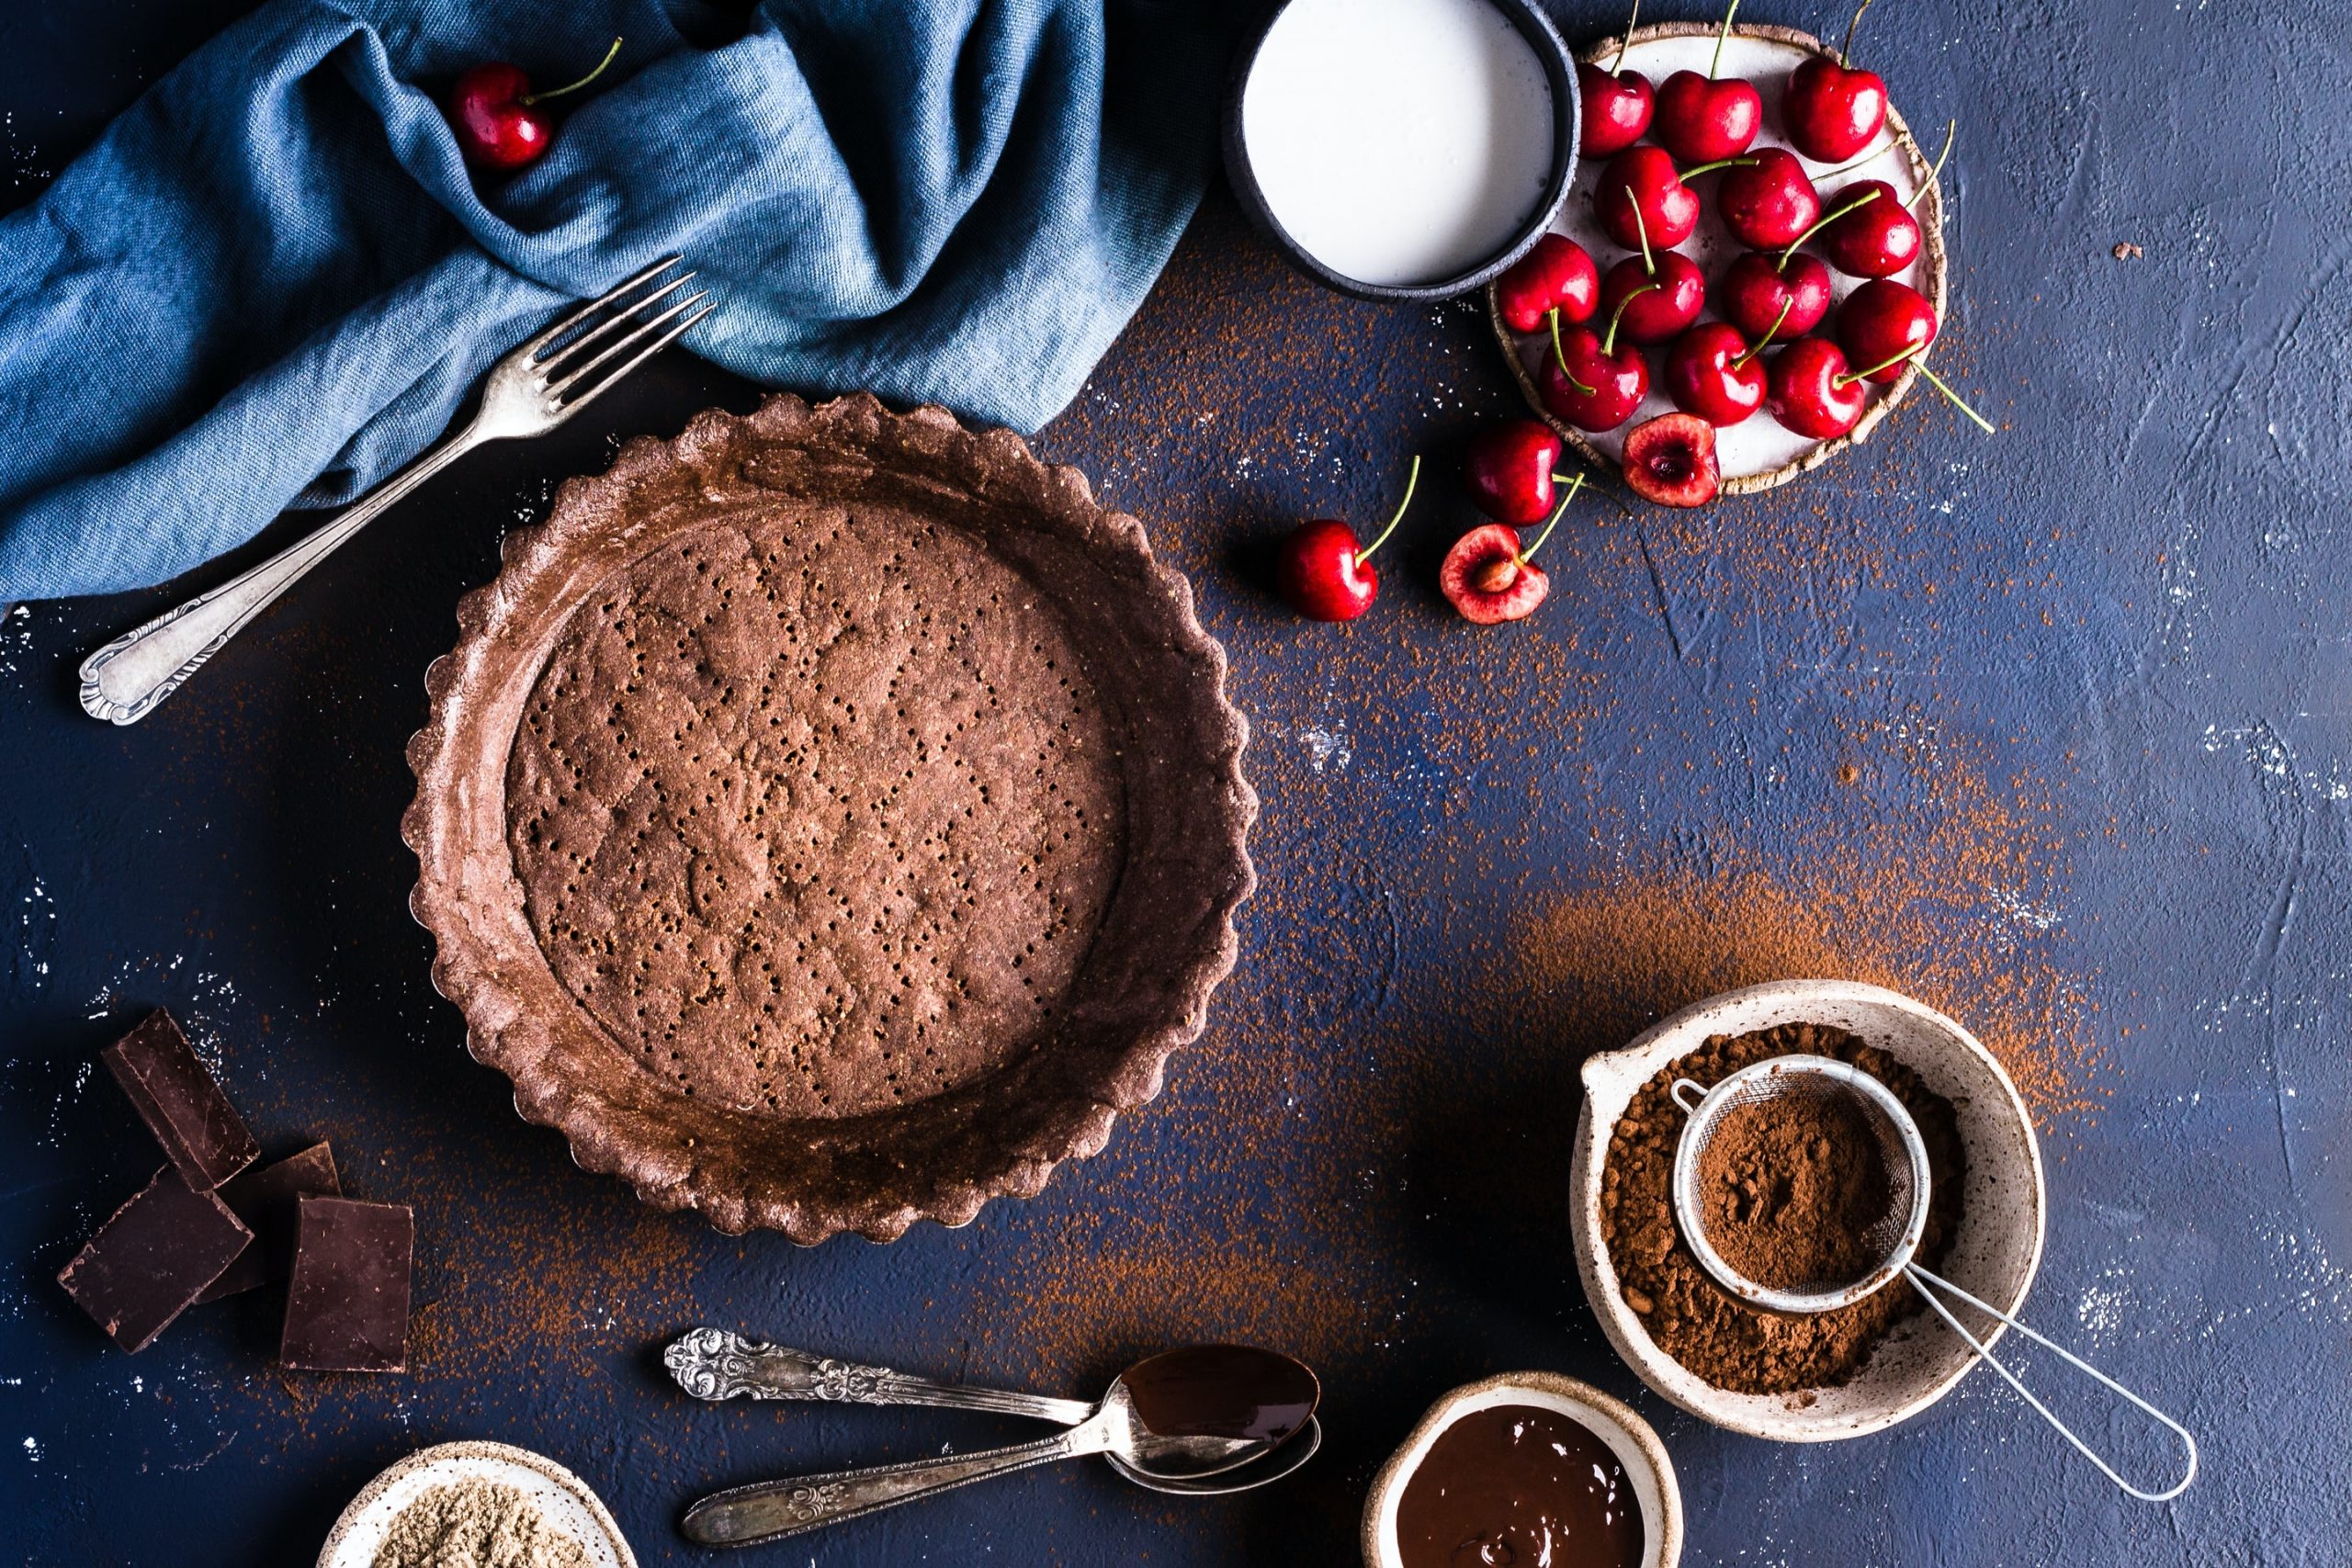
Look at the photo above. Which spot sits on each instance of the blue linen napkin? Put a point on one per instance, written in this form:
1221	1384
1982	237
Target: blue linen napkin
274	278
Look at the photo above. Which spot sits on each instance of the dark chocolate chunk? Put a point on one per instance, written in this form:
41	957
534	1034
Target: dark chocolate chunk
153	1259
347	1309
202	1135
264	1197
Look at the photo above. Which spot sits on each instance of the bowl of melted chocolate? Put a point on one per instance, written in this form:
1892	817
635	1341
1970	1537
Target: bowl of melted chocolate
1526	1470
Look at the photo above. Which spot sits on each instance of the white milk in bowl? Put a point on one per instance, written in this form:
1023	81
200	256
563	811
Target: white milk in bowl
1399	143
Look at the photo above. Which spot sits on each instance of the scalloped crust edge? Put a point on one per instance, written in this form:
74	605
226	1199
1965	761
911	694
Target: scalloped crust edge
1139	1072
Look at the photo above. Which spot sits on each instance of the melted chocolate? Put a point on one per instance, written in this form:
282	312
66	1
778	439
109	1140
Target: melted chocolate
1519	1486
1222	1390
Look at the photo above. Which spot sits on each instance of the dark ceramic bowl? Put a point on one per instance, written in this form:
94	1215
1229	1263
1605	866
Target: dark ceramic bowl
1567	119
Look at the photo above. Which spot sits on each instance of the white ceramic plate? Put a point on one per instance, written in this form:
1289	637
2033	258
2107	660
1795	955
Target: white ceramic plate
1758	452
563	1496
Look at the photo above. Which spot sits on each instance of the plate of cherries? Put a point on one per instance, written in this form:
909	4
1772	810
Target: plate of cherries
1748	273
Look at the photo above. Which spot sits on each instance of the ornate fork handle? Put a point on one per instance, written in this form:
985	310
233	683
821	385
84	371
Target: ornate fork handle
123	682
537	387
768	1510
711	1364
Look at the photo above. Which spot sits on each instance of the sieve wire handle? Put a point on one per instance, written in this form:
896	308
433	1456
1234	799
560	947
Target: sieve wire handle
1698	1092
1920	1278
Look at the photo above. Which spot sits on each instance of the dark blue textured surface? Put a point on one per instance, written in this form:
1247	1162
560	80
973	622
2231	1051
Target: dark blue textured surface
2127	616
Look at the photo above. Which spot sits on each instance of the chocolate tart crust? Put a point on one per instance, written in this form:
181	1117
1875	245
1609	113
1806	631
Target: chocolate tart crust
830	818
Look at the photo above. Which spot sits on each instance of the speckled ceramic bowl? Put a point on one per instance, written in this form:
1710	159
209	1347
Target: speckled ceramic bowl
1994	1255
561	1496
1630	1438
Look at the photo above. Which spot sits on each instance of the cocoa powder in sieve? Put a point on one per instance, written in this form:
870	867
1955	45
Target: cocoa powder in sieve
1722	1339
1791	1188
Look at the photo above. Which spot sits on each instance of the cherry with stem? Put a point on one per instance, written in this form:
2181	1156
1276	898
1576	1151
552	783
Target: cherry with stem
1824	221
1938	382
1951	133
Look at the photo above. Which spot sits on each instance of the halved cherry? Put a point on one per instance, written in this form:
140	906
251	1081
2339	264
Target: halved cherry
1671	461
1489	580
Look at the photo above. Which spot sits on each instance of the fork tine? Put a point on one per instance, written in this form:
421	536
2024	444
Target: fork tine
589	309
627	317
650	349
558	387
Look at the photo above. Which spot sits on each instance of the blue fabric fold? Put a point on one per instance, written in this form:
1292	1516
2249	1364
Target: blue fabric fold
274	278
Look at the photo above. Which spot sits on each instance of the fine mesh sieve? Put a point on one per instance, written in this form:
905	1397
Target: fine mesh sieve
1894	1237
1891	1240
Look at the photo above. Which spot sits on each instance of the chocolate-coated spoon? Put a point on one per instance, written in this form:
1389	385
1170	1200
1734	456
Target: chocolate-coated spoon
1169	1422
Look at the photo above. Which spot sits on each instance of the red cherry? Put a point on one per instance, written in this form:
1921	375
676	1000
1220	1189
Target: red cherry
1713	373
1810	390
1870	234
1671	461
1640	195
1756	288
1879	322
1703	120
496	117
1654	315
1589	381
1617	107
1831	110
1556	275
1768	201
497	126
1322	573
1508	470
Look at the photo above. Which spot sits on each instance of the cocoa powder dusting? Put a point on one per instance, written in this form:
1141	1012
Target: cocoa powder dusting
1732	1345
1791	1188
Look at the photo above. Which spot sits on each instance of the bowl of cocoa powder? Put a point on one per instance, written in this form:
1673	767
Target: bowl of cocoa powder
1819	1377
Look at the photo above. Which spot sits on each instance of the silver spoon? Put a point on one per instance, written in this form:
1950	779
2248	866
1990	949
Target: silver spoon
711	1364
1169	1423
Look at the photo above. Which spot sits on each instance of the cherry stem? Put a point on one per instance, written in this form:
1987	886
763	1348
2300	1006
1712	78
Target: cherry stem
1848	46
1951	131
1608	341
1642	233
1558	511
1938	383
1562	356
1716	64
1411	480
1822	222
1872	156
1769	332
1851	377
558	92
1627	41
1710	168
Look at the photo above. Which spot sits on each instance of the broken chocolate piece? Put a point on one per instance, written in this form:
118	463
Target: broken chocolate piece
201	1133
347	1309
264	1197
153	1259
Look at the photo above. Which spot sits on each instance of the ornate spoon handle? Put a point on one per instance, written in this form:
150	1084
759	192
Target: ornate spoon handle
711	1364
767	1510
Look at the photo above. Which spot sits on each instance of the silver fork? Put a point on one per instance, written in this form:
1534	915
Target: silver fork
532	390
